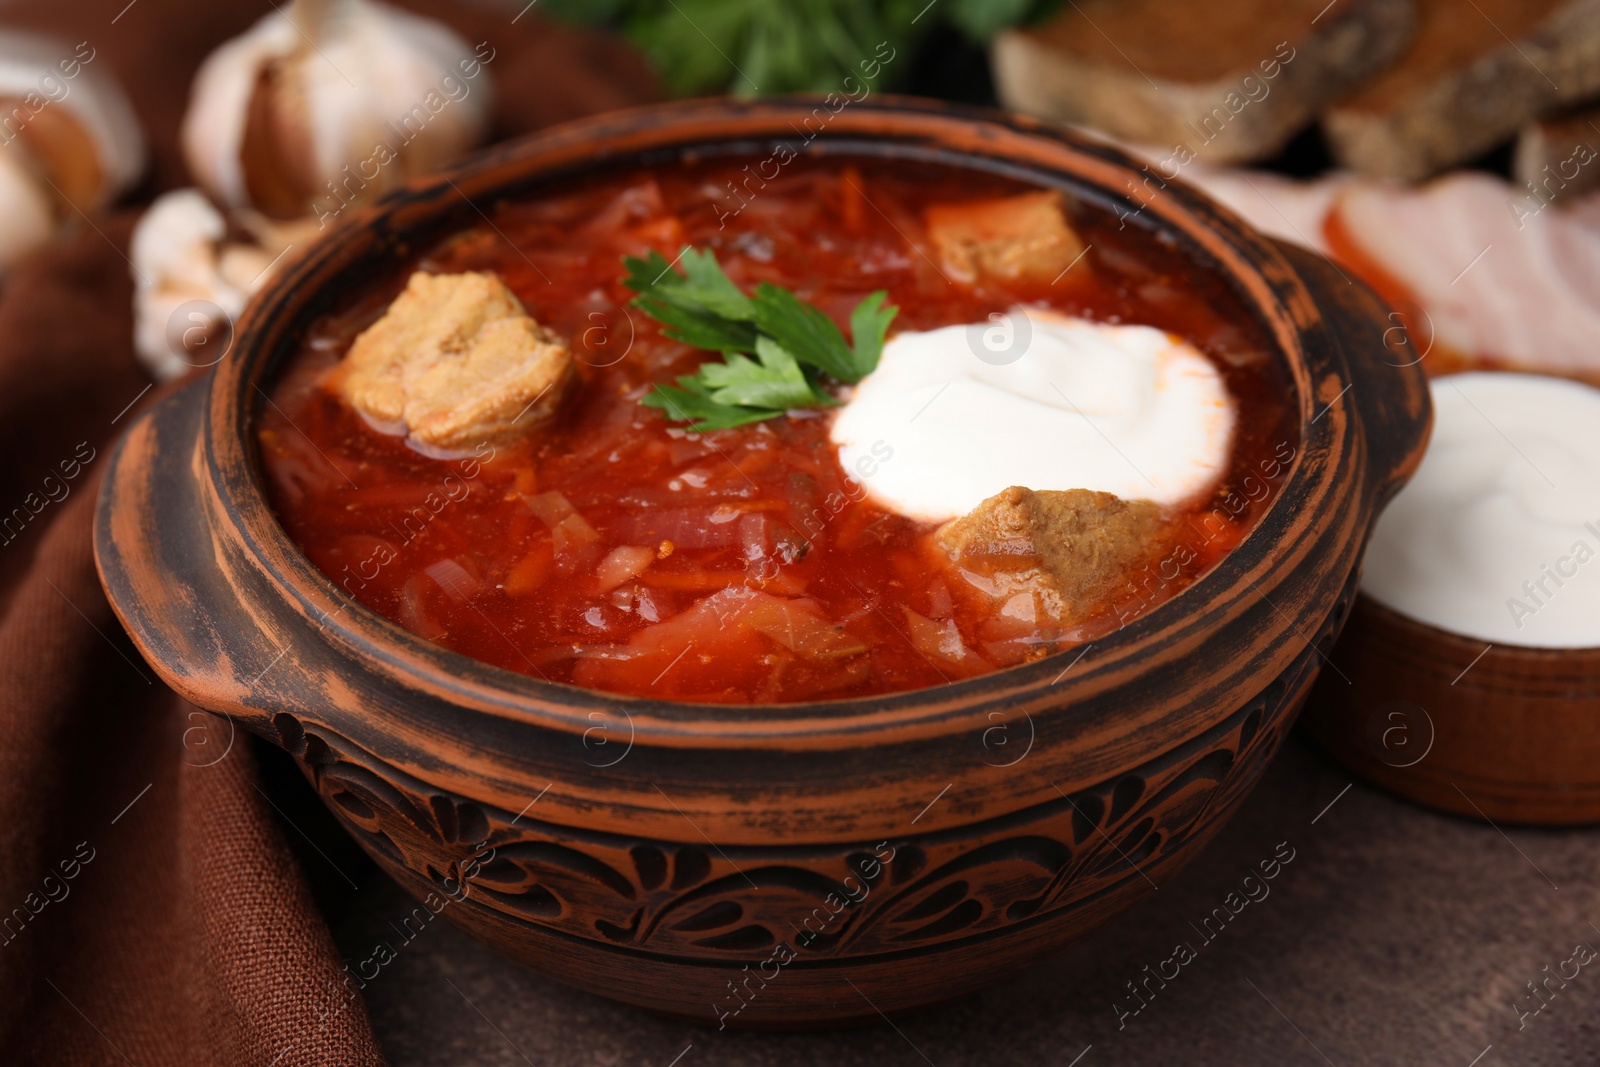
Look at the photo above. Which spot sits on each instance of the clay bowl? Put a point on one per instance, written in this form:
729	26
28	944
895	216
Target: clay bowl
781	865
1497	732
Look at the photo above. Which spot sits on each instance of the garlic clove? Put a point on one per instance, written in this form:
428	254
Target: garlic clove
422	52
184	304
68	160
240	266
330	101
71	117
192	279
275	154
27	214
213	128
175	241
275	235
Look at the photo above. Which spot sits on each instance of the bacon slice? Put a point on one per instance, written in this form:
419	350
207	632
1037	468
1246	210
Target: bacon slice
1480	272
1280	207
1497	280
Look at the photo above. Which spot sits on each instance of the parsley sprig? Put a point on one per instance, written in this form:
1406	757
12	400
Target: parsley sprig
793	344
810	46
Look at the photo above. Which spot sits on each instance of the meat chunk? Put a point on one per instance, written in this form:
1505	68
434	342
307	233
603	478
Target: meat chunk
1014	237
1070	551
455	362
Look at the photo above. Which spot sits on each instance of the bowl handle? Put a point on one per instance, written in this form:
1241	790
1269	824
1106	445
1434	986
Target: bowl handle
1387	384
162	569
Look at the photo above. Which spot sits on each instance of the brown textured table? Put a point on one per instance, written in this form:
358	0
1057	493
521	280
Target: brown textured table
1393	936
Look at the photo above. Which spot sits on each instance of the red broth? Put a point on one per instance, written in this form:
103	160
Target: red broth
461	551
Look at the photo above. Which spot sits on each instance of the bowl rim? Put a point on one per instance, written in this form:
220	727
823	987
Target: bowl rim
1275	293
1581	659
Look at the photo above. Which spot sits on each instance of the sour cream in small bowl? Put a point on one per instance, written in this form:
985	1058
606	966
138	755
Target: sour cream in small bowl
1473	654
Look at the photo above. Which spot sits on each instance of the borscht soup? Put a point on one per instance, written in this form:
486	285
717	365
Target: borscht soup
692	433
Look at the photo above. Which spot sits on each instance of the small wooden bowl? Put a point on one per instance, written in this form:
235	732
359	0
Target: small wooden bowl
769	865
1499	732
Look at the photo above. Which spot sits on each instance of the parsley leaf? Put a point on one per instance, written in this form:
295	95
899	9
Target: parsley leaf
686	402
869	324
805	331
702	285
775	382
698	329
793	343
701	307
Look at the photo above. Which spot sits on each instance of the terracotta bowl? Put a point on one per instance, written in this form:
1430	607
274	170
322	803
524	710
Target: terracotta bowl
772	865
1498	732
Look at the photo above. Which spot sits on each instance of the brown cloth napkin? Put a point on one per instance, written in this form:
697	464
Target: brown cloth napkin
151	911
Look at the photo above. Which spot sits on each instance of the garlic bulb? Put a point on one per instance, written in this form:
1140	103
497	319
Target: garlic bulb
69	141
191	281
331	101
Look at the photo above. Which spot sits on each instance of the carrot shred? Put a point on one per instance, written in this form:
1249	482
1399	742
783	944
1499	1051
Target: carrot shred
528	575
852	206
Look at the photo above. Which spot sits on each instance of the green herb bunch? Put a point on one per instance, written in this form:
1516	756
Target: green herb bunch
775	348
762	47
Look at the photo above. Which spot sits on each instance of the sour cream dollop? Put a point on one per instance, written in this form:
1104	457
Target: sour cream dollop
953	416
1498	535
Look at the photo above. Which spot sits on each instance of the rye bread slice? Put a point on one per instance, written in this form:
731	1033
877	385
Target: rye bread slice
1476	71
1223	82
